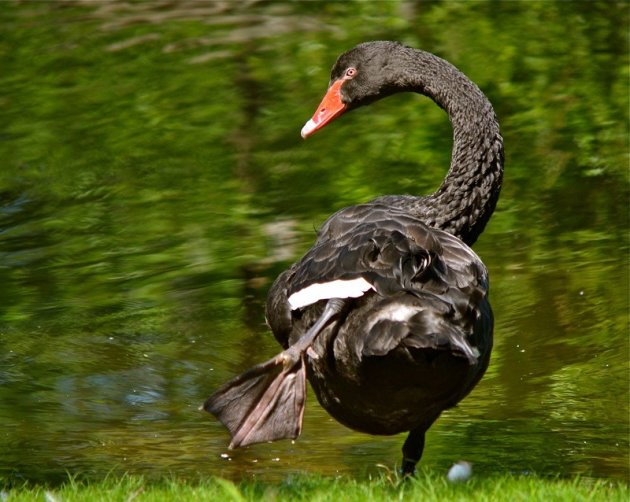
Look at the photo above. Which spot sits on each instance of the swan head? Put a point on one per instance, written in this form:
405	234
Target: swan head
359	77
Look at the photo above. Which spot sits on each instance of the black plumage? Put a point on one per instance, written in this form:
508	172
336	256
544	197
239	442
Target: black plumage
388	313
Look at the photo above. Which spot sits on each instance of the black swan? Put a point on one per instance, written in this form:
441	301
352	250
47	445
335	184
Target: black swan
388	313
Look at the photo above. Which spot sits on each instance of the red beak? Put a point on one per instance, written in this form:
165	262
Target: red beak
329	109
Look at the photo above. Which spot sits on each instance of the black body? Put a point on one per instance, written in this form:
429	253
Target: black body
391	358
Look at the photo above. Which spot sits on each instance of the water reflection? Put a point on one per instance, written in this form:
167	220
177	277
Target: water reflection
153	184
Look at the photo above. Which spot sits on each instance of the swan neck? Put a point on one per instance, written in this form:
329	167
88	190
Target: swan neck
467	197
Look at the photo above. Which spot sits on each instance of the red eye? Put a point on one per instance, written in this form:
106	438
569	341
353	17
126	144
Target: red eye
351	72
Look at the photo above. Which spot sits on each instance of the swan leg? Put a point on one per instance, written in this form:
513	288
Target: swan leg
266	402
412	451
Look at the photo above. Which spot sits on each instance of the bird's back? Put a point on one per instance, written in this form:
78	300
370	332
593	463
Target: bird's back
414	343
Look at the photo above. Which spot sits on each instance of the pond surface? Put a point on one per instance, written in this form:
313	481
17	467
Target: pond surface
153	183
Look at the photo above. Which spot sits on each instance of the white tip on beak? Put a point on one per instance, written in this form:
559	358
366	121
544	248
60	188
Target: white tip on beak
308	128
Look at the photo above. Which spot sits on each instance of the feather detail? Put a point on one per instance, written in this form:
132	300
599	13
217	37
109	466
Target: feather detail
351	288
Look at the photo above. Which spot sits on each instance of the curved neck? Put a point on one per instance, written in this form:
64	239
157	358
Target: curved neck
464	202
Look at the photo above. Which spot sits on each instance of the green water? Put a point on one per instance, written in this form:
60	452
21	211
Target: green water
153	183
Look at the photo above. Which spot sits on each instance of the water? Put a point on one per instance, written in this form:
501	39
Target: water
153	183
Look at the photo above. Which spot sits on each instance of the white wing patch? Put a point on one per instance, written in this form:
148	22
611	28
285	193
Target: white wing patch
351	288
399	313
395	312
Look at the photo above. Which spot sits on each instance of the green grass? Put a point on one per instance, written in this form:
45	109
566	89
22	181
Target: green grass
425	487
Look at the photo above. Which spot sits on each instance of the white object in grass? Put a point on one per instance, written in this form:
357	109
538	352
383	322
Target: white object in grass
460	472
